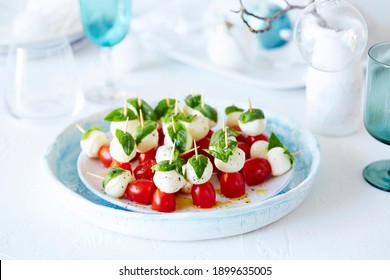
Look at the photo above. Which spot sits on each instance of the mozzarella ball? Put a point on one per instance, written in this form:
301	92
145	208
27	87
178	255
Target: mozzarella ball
149	142
117	152
198	113
131	126
198	128
232	119
193	178
91	146
279	161
253	128
187	188
234	164
187	110
169	181
116	187
259	149
163	153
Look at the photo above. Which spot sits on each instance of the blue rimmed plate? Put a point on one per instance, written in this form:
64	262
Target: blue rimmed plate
62	161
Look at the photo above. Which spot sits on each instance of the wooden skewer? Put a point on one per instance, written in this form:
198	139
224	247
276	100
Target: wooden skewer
127	122
141	118
176	106
95	175
223	124
226	139
297	153
250	105
173	152
173	125
139	101
168	101
125	107
82	130
189	151
196	150
202	99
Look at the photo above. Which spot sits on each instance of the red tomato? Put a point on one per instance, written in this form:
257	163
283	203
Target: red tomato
188	155
211	132
144	170
242	137
256	170
123	165
252	139
203	143
247	150
148	155
163	202
160	135
141	191
105	156
203	195
232	184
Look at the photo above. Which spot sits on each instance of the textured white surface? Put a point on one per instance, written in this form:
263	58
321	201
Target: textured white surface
343	217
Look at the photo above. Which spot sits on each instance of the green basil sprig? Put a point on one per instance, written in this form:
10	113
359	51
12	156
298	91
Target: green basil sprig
88	132
118	115
251	115
141	132
180	136
219	135
126	140
198	164
233	109
179	117
163	109
274	141
112	172
195	102
165	166
221	151
147	111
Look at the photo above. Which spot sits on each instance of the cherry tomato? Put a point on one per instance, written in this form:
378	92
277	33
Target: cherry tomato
256	170
252	139
210	133
105	156
203	195
141	191
242	137
148	155
163	202
188	155
123	165
144	170
203	143
247	150
160	135
232	184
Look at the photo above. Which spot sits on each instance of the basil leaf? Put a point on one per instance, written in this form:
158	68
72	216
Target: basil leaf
147	111
249	116
165	166
118	115
163	109
88	132
219	135
198	164
232	109
193	100
208	112
126	140
180	117
180	136
141	132
222	152
112	172
274	142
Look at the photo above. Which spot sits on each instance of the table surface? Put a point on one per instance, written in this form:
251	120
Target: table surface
342	218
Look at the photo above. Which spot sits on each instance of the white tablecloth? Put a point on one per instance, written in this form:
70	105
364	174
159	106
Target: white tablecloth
342	218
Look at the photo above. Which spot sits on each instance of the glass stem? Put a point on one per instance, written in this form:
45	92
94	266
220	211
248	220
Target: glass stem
106	56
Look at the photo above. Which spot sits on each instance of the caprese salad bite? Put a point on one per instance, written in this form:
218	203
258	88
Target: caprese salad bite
179	152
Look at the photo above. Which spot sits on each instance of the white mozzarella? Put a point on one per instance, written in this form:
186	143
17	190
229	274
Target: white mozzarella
116	187
253	128
259	149
149	142
187	110
163	153
279	161
187	188
211	122
232	119
169	181
234	164
198	128
117	152
91	146
131	126
193	178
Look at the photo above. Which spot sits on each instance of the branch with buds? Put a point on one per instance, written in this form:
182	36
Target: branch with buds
267	20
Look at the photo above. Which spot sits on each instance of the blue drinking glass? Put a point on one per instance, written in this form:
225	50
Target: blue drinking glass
106	23
377	111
